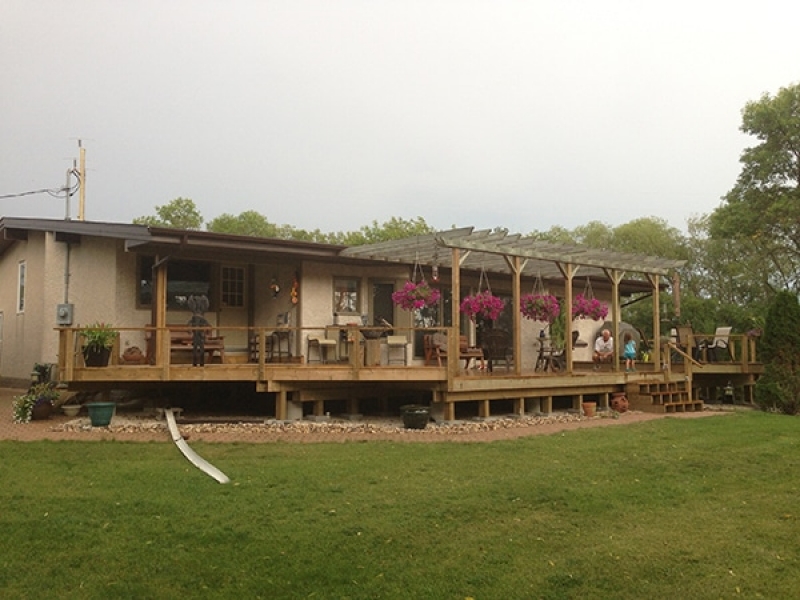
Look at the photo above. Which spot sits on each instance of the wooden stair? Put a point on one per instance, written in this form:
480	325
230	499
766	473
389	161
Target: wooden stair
663	397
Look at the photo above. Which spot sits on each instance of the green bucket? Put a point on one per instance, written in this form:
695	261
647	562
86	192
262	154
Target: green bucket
100	413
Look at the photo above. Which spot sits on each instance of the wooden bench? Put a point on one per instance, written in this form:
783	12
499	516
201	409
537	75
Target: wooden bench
181	340
435	346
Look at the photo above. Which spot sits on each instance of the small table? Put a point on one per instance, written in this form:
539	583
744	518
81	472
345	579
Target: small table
548	356
470	354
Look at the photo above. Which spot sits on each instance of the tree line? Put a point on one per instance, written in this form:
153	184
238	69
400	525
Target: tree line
738	257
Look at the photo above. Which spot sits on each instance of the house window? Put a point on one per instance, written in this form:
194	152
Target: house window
232	287
345	295
21	287
184	278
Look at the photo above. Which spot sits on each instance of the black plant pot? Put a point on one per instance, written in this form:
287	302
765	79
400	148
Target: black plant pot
415	416
96	357
41	411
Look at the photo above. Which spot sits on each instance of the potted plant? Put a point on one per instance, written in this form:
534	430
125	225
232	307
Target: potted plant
100	413
539	307
586	307
415	416
484	305
413	296
98	339
71	406
36	403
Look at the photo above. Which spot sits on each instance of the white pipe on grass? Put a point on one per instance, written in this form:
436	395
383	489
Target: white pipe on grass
190	454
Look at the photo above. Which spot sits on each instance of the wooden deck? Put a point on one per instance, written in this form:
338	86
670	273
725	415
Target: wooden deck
675	387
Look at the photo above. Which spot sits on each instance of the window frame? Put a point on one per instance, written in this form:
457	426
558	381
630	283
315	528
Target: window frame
339	290
240	282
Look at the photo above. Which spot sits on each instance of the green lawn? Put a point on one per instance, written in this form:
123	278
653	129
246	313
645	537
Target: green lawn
695	508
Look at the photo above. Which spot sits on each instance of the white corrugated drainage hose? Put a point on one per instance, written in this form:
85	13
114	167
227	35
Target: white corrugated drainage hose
194	458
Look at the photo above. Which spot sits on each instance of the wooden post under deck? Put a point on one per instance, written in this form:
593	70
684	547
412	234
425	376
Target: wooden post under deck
281	406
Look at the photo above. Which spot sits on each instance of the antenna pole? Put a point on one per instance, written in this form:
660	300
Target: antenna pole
82	183
66	193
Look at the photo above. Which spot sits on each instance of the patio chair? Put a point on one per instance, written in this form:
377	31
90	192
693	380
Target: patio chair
496	344
721	341
395	343
323	346
557	360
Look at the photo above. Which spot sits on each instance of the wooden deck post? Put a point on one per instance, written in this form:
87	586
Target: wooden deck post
449	411
281	407
483	409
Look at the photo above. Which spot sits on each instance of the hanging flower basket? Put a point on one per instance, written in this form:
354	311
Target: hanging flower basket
482	304
539	307
589	308
413	296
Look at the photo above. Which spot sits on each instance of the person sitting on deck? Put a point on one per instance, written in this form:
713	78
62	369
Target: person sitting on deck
603	349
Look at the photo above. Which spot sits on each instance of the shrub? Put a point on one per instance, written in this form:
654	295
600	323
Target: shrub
779	388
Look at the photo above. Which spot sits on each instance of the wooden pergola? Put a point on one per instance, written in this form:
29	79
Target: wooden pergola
516	256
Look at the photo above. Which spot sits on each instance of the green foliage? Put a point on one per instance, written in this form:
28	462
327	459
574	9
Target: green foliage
779	387
247	223
98	335
180	213
22	406
664	509
394	229
257	225
781	339
762	211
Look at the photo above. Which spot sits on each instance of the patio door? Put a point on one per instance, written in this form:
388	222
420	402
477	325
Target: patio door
382	305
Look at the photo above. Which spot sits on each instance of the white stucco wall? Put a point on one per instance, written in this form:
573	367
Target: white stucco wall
22	338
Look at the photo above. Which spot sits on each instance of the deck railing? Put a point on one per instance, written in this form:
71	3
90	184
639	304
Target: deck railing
172	345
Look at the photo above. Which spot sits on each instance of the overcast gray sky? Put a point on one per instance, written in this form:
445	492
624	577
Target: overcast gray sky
331	114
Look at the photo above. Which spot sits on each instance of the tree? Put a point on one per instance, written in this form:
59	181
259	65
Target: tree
247	223
762	211
181	213
395	228
779	387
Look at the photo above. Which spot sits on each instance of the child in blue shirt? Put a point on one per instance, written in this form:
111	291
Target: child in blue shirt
629	353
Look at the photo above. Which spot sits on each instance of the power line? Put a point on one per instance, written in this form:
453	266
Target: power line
55	192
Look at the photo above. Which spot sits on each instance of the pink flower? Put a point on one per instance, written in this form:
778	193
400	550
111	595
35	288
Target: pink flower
539	307
591	308
482	304
414	296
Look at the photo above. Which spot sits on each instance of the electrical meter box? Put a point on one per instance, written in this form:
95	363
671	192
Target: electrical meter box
64	315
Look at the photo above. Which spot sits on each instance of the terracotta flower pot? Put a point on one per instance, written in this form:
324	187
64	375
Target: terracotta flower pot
589	408
619	402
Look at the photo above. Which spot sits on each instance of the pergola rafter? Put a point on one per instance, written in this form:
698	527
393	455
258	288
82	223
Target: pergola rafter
517	256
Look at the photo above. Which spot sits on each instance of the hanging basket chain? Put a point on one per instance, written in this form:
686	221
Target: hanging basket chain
588	293
538	285
484	277
417	269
